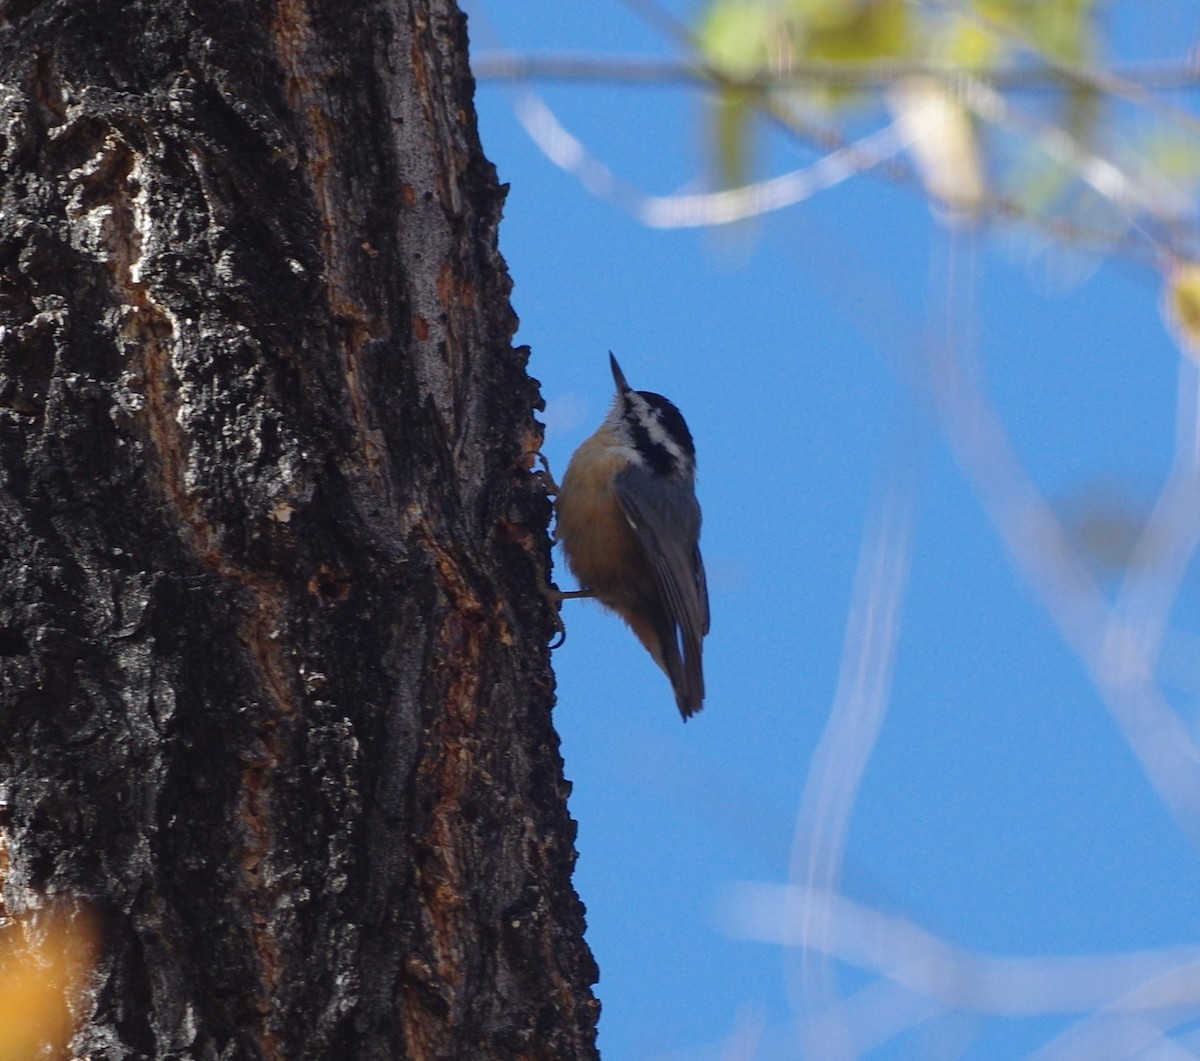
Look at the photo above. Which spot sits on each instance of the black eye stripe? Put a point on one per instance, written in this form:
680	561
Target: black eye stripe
671	420
655	428
658	457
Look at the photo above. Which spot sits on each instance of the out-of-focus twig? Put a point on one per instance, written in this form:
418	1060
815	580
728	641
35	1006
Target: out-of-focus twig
1168	542
1143	982
704	208
1045	555
840	760
1108	82
878	152
869	75
1115	1032
1134	197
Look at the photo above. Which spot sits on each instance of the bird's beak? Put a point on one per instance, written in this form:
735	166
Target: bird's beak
618	375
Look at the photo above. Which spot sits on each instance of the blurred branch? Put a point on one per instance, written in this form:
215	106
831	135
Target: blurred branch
840	760
1112	1033
1130	78
1167	545
1133	197
1045	555
875	151
793	91
1135	982
1114	81
702	208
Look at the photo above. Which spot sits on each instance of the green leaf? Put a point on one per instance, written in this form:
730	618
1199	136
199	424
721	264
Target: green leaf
1173	154
1061	29
735	36
857	31
968	45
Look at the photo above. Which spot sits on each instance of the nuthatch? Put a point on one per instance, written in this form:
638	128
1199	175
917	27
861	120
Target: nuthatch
630	527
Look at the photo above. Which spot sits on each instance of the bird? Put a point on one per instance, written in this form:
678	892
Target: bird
629	523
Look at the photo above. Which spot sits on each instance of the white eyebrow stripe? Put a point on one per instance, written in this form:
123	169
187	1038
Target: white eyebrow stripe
652	418
659	435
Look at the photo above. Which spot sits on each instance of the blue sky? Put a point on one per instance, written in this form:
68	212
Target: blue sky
1001	817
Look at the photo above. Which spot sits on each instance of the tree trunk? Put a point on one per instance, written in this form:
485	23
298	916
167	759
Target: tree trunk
274	688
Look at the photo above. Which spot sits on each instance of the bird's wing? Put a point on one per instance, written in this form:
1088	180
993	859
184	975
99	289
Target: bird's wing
665	518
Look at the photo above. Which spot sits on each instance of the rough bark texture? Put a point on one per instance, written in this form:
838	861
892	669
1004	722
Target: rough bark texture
274	692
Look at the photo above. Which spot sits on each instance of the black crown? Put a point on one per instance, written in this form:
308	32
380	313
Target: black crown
661	460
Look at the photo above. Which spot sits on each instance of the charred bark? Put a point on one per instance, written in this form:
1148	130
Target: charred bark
274	691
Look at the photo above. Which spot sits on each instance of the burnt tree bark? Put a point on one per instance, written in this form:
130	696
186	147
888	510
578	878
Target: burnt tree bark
274	688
